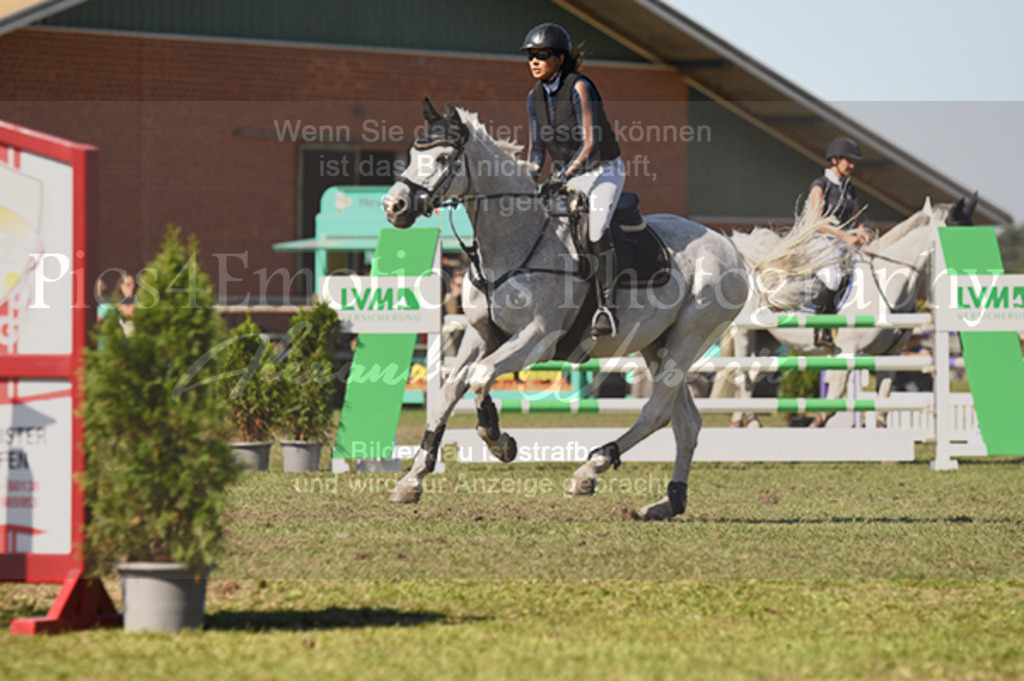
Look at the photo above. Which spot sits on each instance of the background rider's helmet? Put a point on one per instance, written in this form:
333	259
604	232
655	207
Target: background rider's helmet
843	147
547	36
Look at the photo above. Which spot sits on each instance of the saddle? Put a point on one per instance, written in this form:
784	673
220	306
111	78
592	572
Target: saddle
643	261
642	257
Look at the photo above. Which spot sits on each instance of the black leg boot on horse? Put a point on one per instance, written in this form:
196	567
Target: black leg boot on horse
603	252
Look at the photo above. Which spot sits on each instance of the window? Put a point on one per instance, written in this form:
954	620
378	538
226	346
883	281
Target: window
322	167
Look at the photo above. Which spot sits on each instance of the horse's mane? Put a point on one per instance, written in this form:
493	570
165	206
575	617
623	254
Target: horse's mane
782	262
919	219
509	149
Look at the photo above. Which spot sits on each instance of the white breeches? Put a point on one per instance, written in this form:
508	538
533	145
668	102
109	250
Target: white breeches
603	186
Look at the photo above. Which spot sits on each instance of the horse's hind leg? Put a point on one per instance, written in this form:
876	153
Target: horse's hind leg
669	361
686	422
737	342
501	444
655	414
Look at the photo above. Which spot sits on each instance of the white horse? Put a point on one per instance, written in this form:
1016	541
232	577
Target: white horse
527	294
886	275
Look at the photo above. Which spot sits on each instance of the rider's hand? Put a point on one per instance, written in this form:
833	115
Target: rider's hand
855	238
554	184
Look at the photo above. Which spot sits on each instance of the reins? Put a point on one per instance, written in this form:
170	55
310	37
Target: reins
477	275
874	275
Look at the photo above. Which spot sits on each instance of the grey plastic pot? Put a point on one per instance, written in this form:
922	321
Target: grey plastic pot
164	597
301	456
254	456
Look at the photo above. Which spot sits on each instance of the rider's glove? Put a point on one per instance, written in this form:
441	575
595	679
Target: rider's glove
554	185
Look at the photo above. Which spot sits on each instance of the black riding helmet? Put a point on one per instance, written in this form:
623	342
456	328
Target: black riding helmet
843	147
547	36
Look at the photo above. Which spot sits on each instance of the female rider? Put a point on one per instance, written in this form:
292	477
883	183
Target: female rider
832	195
567	121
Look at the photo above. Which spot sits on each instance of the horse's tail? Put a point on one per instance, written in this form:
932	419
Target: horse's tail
755	246
782	263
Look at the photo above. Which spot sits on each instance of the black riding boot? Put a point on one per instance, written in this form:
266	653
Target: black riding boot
604	322
825	303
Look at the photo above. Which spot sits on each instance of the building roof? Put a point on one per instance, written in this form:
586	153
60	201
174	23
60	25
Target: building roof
17	13
775	105
646	30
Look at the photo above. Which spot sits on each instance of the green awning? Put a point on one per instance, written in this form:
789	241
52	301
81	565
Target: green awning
347	244
333	243
351	218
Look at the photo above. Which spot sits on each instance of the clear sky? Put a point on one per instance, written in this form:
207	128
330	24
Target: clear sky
941	79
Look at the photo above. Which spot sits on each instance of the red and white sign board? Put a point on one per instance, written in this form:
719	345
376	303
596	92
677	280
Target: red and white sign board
45	204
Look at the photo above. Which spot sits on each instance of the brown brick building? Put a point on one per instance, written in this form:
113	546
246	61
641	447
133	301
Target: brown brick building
223	118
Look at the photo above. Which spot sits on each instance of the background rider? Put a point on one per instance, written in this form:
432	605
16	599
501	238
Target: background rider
832	195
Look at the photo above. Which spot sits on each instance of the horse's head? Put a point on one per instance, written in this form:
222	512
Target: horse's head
436	171
962	213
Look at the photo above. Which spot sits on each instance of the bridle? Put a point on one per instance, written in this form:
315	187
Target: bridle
426	199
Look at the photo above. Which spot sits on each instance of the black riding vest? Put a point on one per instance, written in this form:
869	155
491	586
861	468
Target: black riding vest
562	137
840	200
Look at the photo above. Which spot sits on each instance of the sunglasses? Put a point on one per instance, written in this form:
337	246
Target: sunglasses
542	55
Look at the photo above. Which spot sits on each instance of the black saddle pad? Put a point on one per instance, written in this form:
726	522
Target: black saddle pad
642	257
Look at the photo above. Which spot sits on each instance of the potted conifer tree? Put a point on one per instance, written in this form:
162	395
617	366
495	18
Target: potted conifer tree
249	396
306	384
157	460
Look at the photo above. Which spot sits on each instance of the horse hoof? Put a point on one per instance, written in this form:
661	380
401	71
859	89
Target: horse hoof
505	449
408	493
582	482
661	510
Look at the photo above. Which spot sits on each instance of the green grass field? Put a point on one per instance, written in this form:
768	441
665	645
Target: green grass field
779	571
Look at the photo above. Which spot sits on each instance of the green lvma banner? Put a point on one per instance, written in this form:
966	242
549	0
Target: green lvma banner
981	302
984	305
372	304
388	309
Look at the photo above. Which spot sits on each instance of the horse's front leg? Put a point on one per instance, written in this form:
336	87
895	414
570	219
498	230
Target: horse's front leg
837	379
532	343
410	487
501	444
884	390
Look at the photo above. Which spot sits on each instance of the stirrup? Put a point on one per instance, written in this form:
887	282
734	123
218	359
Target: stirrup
610	329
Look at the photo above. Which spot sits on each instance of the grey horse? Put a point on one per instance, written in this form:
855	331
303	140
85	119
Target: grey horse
527	293
886	275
